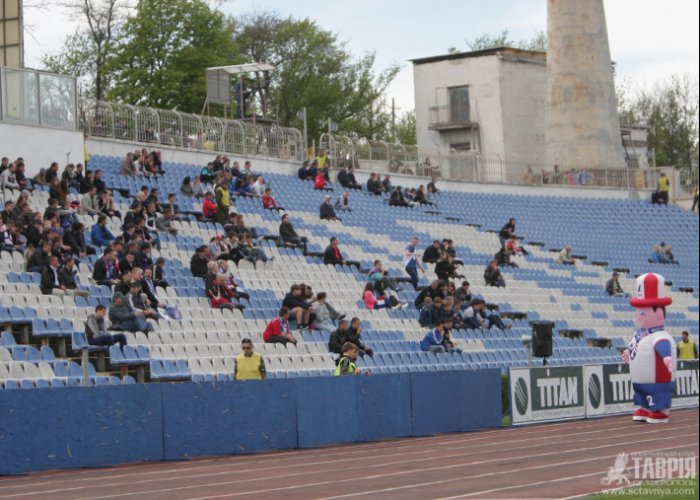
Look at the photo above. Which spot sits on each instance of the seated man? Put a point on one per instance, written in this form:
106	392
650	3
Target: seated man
475	317
565	257
432	253
354	336
613	286
343	202
433	339
199	261
100	233
397	199
377	273
463	294
138	300
493	276
326	211
332	255
277	330
294	302
164	223
289	236
96	329
249	364
124	317
374	185
503	257
221	295
345	365
337	338
106	269
668	252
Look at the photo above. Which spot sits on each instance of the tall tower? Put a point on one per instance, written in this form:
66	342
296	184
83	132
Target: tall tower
582	127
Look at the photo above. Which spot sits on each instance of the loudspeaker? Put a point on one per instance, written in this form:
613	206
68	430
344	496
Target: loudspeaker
542	338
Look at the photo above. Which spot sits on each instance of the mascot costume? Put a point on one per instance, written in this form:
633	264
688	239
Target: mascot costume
651	352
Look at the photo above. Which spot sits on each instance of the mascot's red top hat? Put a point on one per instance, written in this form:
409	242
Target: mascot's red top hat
651	292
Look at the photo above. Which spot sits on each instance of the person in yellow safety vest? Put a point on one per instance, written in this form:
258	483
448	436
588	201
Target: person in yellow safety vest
249	364
664	186
321	159
346	363
687	349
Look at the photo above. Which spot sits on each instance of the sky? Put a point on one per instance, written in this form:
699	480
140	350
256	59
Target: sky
649	39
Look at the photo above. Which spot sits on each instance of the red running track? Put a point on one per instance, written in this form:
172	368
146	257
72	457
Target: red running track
558	460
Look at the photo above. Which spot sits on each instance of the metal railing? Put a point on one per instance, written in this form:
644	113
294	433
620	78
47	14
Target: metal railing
189	131
443	117
30	97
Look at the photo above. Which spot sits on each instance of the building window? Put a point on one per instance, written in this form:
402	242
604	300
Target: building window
459	104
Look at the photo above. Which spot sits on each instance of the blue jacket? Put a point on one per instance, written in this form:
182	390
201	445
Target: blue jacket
101	236
433	337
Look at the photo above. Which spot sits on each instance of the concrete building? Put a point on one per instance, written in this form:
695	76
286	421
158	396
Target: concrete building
487	104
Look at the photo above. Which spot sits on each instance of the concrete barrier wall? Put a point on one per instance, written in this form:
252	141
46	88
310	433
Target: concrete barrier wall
44	429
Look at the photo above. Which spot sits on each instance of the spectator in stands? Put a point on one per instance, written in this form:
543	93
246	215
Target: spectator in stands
386	184
7	214
320	183
96	329
148	288
345	365
503	257
159	273
323	315
686	348
463	294
165	222
354	336
515	249
89	203
8	179
493	276
100	233
333	256
507	231
337	337
565	257
432	186
249	364
583	177
186	186
269	201
433	339
396	199
127	167
659	256
137	299
476	317
258	187
432	253
251	251
289	236
209	206
445	268
97	181
223	202
39	259
296	305
124	317
106	204
696	200
410	262
221	295
277	331
10	238
344	179
171	203
668	252
304	173
50	283
199	261
614	288
663	186
74	238
326	211
343	202
374	184
377	273
66	278
106	271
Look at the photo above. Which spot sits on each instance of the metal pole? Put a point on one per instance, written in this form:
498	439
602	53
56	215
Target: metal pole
240	94
306	136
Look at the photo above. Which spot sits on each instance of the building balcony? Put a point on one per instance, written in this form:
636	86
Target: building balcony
449	118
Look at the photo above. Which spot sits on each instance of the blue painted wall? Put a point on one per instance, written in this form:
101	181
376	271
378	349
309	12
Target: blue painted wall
43	429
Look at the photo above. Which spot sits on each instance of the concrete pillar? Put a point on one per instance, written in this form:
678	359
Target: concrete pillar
582	127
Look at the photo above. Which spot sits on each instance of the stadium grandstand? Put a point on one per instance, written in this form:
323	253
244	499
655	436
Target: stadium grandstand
192	286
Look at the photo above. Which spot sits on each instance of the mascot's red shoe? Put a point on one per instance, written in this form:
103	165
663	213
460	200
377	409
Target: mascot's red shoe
640	415
657	417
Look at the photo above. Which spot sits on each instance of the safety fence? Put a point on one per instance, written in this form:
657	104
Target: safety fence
189	131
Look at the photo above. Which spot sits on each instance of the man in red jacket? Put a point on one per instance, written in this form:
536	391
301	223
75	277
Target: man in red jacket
277	330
